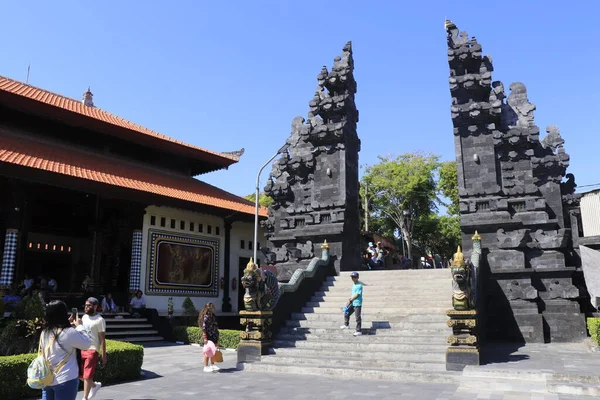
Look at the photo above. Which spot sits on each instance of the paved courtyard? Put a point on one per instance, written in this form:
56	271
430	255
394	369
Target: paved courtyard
175	372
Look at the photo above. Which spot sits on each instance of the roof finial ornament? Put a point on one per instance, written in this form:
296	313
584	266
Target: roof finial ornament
88	98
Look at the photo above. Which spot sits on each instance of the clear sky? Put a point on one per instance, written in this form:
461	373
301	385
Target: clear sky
232	74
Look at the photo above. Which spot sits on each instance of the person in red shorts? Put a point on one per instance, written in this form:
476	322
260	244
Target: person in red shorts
95	326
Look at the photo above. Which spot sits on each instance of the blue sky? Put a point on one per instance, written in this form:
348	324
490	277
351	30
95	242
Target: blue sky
233	74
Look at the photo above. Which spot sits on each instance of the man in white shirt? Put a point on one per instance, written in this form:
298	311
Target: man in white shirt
95	326
137	304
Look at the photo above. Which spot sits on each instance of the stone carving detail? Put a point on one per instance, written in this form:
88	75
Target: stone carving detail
510	184
314	184
512	240
461	282
551	239
237	153
262	288
464	344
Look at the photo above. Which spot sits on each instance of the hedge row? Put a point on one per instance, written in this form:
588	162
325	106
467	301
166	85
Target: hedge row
593	325
192	334
124	364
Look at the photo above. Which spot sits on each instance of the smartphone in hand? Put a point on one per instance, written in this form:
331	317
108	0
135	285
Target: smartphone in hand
75	313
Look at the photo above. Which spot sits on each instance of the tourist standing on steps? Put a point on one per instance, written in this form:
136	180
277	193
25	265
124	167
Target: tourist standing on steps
354	305
207	320
95	326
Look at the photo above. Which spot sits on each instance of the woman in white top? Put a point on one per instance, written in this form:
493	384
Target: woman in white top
63	340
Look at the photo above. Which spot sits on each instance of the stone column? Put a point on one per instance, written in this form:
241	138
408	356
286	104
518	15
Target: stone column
136	261
9	258
226	306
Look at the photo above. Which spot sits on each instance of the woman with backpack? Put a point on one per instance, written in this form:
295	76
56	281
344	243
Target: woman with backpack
58	343
210	332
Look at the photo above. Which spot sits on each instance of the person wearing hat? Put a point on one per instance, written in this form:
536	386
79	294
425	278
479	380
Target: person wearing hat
95	326
354	305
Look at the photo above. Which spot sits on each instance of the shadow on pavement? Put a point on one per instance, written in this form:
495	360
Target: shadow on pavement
495	353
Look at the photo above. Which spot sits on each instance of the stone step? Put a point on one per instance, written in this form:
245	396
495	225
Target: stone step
360	344
113	315
329	308
138	339
391	276
435	357
368	323
505	385
398	273
132	332
399	298
397	375
390	285
129	326
371	315
355	362
425	333
574	388
367	336
125	320
532	380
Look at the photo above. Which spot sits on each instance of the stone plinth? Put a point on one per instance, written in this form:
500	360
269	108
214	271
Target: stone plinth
464	342
256	336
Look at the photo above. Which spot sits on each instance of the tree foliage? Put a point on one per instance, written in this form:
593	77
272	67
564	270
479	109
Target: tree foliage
403	187
263	199
448	185
407	184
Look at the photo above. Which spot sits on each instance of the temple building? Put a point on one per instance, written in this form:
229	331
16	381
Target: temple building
100	204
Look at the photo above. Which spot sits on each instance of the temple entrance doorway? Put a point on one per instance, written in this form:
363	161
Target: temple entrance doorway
56	239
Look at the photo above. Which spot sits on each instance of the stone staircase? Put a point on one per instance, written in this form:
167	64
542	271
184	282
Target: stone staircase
123	327
404	330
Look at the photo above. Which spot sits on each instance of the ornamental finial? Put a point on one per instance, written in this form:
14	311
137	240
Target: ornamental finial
458	259
476	237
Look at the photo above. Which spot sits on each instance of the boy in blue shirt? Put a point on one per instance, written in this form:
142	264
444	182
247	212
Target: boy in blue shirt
355	305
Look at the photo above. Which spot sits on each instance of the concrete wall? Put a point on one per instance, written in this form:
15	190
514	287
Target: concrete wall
240	231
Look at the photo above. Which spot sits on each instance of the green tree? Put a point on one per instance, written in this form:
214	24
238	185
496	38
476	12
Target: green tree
439	234
448	186
403	189
263	199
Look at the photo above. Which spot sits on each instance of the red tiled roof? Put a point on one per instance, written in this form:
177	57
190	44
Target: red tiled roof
77	107
60	159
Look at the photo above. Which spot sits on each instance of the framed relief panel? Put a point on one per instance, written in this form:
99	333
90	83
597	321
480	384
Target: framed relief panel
182	265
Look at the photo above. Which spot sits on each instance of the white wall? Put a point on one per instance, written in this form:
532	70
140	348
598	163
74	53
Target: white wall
590	213
240	231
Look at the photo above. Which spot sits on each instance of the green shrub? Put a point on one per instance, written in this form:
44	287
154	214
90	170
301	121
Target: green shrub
124	364
13	375
188	334
229	339
191	334
13	339
31	307
593	325
189	310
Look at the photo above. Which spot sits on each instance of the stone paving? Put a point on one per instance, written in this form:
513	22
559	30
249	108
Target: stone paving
175	372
